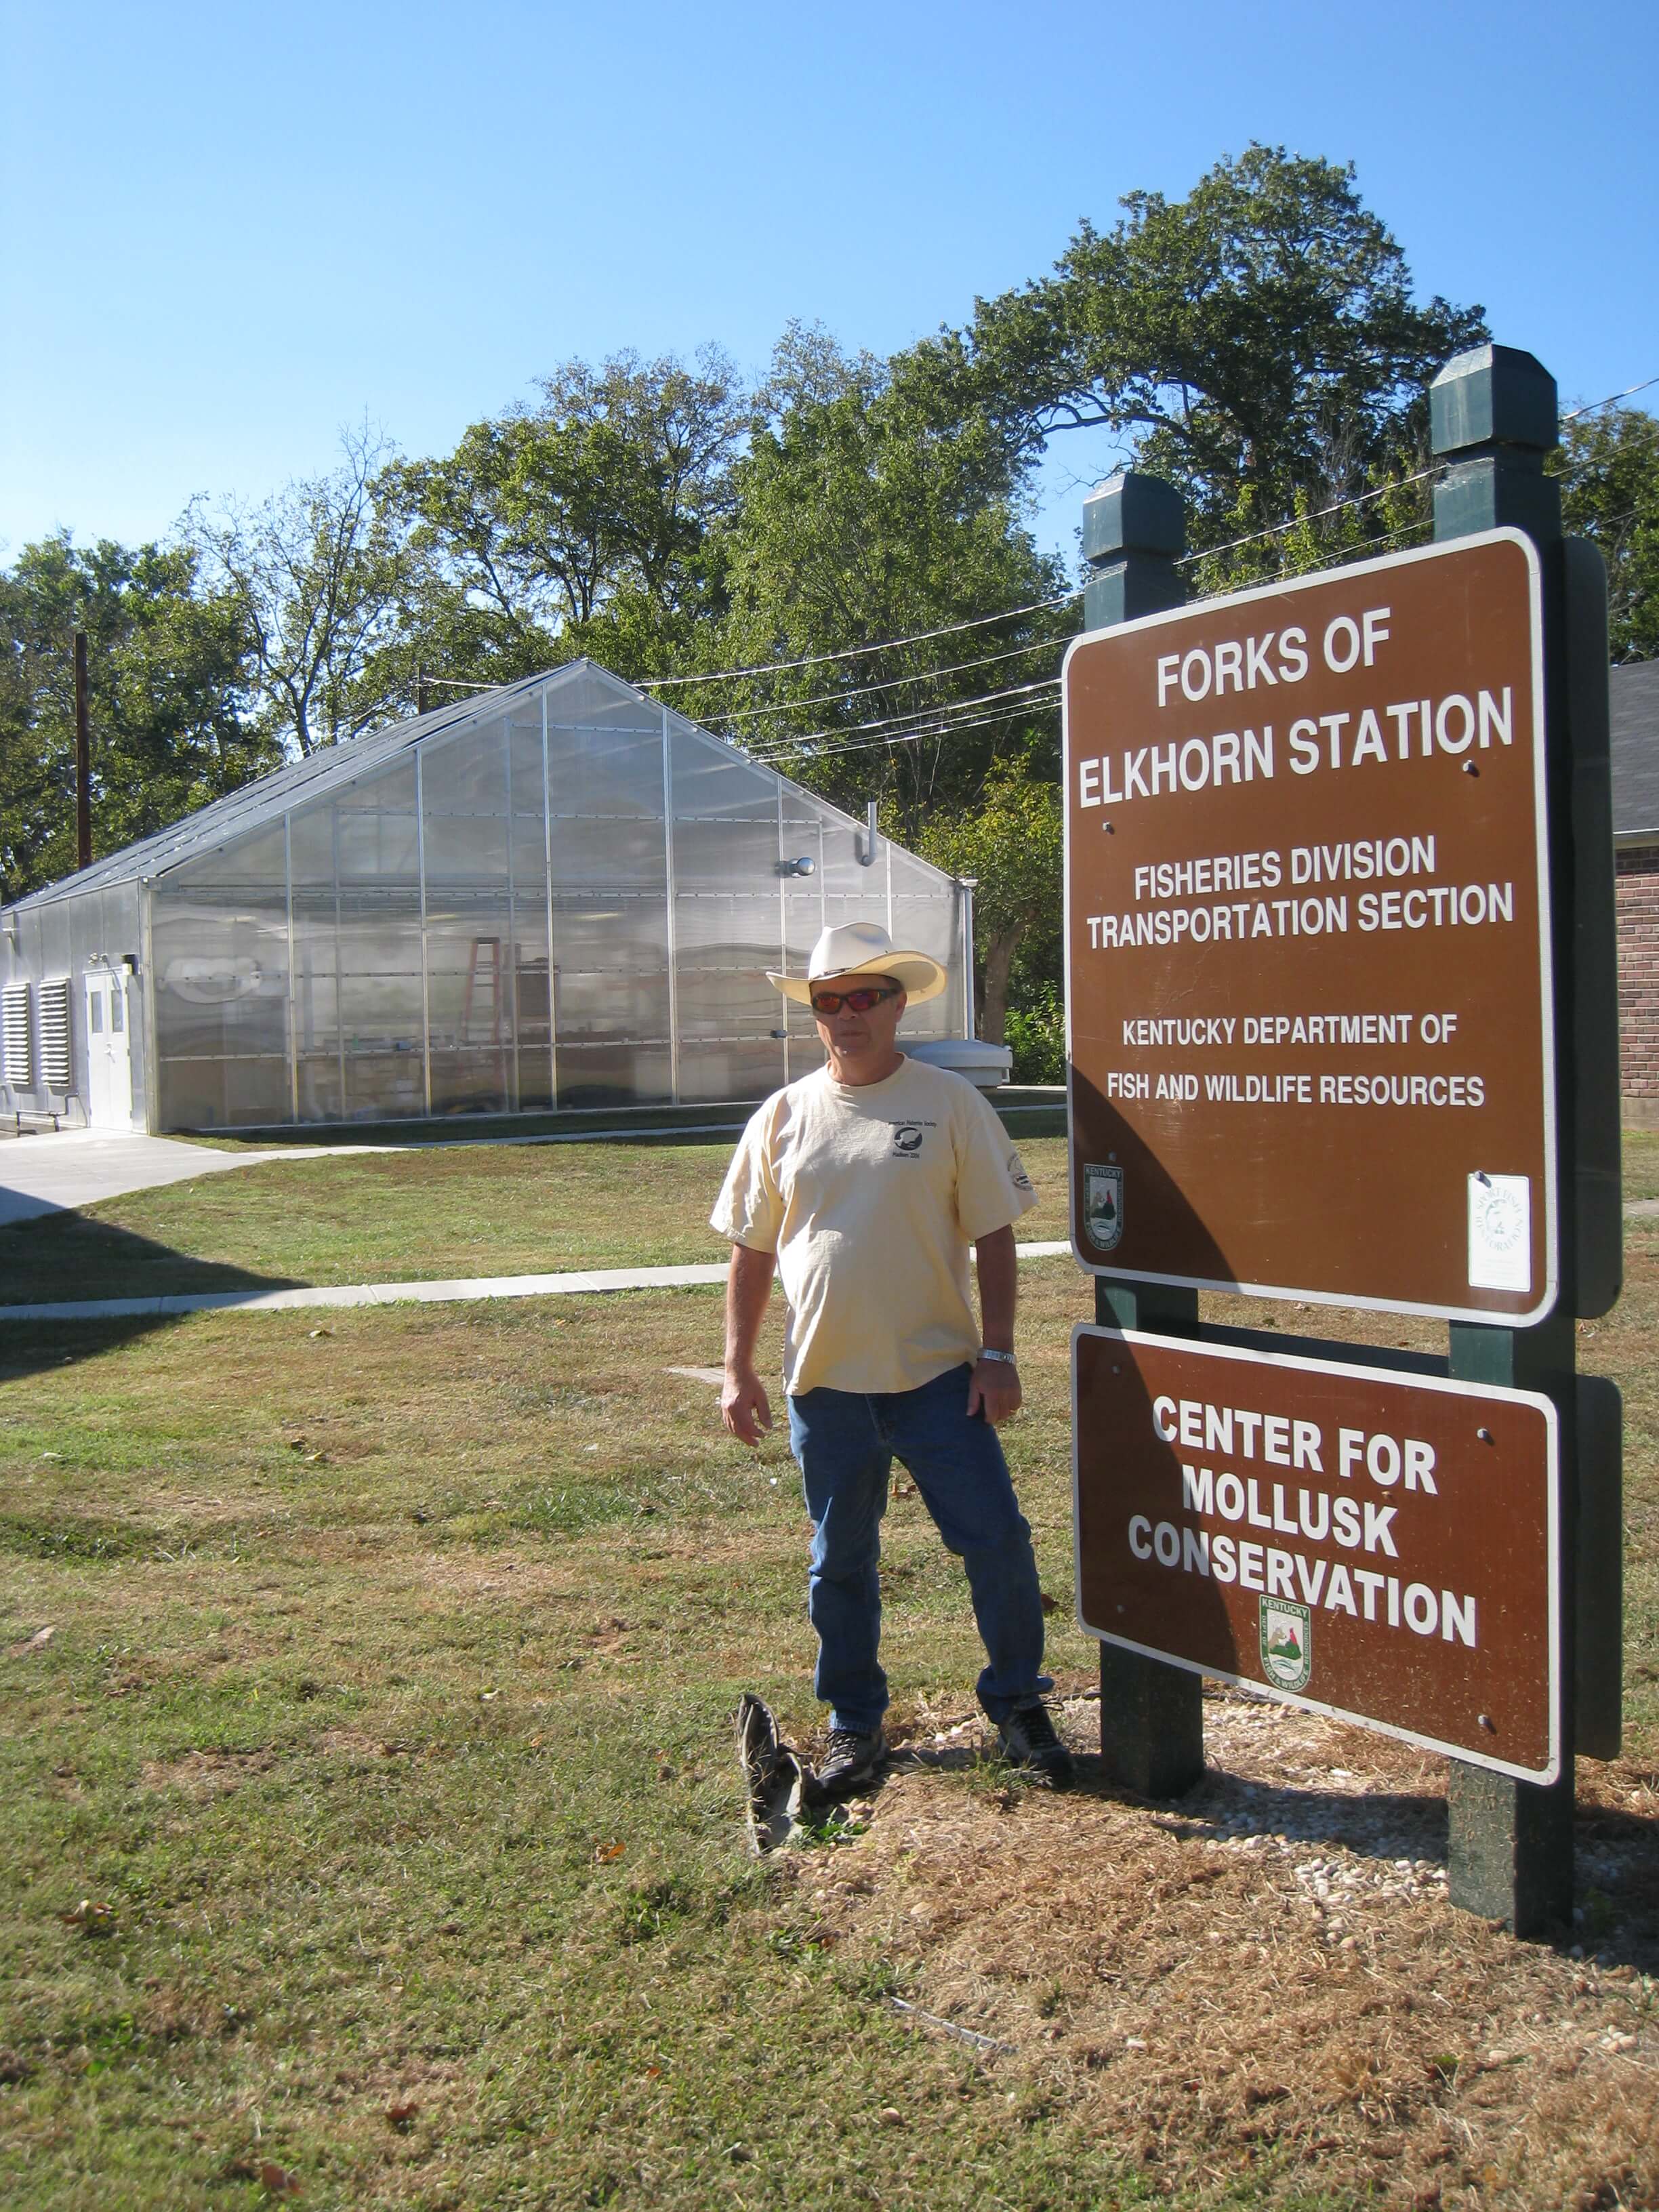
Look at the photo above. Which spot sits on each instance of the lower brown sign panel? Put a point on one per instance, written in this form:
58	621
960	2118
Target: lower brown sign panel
1380	1546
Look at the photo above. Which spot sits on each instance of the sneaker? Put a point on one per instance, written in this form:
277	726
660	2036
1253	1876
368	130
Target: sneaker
850	1761
1029	1741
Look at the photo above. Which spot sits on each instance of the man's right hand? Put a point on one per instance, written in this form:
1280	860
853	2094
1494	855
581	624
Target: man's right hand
744	1407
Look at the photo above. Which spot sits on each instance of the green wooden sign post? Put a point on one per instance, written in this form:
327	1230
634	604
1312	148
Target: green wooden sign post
1152	1716
1494	420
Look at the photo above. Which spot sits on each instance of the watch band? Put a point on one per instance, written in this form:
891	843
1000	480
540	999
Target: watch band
1003	1358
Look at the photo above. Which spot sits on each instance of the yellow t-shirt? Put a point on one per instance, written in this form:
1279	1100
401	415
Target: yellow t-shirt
870	1195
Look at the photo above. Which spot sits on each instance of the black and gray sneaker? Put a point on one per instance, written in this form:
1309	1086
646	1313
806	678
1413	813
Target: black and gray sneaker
1029	1741
849	1761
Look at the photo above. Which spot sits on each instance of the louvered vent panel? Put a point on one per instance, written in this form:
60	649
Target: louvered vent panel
55	1034
19	1059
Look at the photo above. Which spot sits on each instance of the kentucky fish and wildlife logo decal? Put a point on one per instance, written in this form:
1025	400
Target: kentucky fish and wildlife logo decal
1287	1636
1102	1206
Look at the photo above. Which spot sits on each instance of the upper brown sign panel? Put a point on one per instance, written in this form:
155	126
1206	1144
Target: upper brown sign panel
1308	940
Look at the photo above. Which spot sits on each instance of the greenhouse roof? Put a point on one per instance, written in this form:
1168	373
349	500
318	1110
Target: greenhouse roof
242	812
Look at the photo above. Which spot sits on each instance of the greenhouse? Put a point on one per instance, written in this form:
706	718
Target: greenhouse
558	895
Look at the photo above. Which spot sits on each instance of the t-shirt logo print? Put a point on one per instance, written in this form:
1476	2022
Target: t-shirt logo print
907	1139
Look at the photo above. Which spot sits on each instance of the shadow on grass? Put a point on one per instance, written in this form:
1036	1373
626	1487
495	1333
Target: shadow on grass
62	1257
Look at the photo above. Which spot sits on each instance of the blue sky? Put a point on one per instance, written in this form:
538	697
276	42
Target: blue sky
231	230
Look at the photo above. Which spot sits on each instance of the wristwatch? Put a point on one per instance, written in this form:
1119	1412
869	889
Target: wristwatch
1002	1358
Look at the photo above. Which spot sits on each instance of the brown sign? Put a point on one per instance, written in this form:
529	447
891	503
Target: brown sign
1361	1543
1308	975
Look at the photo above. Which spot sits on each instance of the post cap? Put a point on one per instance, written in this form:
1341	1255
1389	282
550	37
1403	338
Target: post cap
1133	513
1493	395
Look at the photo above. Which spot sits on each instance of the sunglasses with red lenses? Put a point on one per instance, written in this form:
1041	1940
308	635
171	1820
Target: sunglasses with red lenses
827	1003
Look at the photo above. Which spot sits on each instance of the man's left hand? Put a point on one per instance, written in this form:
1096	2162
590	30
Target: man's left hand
994	1391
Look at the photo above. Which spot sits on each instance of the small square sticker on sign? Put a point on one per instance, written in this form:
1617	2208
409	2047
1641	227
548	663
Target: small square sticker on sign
1500	1232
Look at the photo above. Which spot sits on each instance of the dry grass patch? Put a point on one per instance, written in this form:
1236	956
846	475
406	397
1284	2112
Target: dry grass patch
1264	1984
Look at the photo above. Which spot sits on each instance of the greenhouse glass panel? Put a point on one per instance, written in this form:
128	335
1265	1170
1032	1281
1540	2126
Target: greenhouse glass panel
319	1089
531	985
607	853
316	904
723	948
593	935
377	831
924	916
610	766
730	1072
219	949
466	774
712	782
524	741
610	1004
384	1086
614	1075
714	855
469	923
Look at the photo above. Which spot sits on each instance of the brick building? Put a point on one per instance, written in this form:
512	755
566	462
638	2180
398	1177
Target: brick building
1636	843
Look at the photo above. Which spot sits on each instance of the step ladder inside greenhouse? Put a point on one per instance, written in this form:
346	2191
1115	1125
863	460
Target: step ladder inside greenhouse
484	970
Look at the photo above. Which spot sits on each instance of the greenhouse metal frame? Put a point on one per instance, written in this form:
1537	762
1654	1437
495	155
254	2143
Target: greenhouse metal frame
558	895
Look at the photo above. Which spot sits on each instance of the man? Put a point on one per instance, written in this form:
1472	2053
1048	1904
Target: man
866	1183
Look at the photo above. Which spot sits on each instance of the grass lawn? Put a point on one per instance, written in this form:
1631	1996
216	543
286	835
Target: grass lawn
1641	1164
389	1216
383	1727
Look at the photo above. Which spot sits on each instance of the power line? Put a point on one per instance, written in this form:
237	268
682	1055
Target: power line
915	736
921	713
1296	521
1612	399
855	651
924	721
892	683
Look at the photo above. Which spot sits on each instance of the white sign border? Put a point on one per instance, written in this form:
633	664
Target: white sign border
1448	1386
1493	1317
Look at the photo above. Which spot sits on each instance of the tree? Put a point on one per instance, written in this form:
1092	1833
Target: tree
860	518
1256	343
578	524
1609	466
168	667
319	571
1011	841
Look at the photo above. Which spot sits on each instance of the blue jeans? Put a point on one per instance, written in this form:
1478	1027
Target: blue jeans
845	1443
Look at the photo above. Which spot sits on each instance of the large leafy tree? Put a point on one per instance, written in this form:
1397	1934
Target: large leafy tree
1257	342
1609	464
860	518
169	663
576	524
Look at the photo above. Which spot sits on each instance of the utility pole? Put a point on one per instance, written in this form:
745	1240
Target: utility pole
420	693
83	759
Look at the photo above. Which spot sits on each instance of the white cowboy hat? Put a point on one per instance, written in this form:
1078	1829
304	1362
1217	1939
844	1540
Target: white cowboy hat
863	948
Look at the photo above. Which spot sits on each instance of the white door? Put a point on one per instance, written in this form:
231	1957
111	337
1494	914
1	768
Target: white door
109	1052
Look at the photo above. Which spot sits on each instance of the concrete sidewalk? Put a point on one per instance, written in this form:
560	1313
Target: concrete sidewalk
77	1167
457	1292
73	1167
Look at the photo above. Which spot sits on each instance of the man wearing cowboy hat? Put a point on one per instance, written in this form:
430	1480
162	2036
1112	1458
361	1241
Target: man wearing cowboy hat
865	1184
